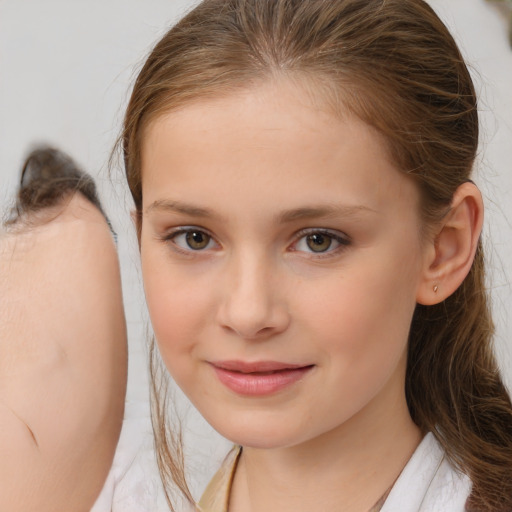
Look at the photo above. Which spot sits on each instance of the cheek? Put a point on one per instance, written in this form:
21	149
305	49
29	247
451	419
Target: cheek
362	317
177	308
361	334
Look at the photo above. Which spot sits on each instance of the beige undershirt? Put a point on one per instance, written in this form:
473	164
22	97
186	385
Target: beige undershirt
216	495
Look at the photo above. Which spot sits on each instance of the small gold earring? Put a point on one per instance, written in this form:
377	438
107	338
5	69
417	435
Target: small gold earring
436	288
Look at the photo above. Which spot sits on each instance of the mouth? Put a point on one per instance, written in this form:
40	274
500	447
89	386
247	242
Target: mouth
259	378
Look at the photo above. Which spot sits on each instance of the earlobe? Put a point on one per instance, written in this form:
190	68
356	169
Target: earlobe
452	250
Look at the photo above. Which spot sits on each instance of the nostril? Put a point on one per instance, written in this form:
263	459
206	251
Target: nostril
251	326
250	334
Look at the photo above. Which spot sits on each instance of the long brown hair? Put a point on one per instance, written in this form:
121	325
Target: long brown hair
393	64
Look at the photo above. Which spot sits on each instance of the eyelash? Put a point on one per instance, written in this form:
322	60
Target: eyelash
341	239
170	238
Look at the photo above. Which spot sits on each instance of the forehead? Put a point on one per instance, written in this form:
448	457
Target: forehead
273	138
281	102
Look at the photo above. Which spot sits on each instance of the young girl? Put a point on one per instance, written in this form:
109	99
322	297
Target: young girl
309	236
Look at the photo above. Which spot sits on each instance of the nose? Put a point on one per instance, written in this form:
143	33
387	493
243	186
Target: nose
253	304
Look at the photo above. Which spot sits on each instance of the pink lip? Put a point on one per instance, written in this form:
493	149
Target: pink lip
258	378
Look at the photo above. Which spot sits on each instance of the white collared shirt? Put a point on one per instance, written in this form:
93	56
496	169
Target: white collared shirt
428	483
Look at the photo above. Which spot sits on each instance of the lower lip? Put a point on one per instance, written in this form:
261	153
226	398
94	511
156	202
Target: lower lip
260	384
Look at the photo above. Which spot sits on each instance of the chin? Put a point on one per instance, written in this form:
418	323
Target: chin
258	441
257	434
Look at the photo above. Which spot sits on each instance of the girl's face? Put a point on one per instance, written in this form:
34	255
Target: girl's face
281	257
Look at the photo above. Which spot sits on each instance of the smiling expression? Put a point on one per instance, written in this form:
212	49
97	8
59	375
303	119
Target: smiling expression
281	258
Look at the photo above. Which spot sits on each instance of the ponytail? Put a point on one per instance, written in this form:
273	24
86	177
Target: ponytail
454	390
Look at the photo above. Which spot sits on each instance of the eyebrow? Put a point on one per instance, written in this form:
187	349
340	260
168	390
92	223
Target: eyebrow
179	207
295	214
316	212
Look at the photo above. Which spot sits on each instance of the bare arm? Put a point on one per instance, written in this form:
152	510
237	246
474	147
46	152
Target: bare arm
62	361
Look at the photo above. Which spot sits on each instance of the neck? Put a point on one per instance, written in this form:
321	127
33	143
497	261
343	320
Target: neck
348	468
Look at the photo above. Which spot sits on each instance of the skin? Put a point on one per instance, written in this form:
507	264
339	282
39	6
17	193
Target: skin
62	371
256	172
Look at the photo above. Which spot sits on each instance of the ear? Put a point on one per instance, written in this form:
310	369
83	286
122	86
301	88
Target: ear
449	255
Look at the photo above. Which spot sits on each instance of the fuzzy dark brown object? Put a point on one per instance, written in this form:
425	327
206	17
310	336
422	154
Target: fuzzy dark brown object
47	175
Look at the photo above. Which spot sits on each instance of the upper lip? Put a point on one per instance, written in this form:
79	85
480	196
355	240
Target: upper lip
256	366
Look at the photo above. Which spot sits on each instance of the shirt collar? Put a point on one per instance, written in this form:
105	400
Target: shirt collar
216	495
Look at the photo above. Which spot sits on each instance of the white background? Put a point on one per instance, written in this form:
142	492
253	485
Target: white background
65	72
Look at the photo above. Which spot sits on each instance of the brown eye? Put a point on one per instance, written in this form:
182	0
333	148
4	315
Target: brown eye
319	242
191	239
197	240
